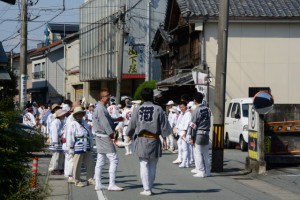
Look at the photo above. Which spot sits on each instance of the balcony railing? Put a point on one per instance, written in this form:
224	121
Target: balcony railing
38	75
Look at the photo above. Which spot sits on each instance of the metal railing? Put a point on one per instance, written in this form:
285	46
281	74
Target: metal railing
38	75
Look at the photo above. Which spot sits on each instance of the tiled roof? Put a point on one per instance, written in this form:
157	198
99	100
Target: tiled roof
242	8
42	49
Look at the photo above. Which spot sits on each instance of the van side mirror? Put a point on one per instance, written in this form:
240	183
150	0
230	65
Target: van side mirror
237	116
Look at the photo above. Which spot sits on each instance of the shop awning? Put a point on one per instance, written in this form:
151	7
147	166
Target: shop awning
4	75
177	80
37	90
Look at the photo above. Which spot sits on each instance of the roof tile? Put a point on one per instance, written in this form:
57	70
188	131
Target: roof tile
242	8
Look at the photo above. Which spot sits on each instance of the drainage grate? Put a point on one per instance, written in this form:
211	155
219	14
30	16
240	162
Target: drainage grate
242	178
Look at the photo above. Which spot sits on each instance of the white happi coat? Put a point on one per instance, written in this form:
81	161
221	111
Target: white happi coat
28	119
126	115
79	136
56	130
183	122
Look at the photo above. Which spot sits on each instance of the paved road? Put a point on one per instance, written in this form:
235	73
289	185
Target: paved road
174	183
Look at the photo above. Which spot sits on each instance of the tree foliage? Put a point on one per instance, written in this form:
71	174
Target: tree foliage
9	87
146	84
16	150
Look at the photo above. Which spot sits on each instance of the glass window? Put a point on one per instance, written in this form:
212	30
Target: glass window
37	67
234	110
245	109
229	108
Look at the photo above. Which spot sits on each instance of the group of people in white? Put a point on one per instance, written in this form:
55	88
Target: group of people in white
71	133
190	151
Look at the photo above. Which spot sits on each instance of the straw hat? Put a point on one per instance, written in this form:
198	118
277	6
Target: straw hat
78	110
60	112
55	106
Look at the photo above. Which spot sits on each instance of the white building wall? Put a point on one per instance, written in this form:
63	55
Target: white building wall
55	75
259	55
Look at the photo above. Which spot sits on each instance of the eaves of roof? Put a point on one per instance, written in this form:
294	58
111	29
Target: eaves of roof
42	49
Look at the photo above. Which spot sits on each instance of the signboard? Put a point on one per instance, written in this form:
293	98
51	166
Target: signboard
134	59
253	125
252	145
200	80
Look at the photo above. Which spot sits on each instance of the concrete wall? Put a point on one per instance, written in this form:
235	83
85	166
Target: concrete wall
259	55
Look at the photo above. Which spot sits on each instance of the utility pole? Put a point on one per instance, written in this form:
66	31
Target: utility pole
121	49
23	56
220	88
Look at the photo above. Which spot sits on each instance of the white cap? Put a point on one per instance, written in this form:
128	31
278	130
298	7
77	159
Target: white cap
174	109
136	101
170	103
190	104
65	107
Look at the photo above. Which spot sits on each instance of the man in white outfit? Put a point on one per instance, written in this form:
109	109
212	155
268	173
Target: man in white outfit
126	114
172	118
56	129
79	140
28	118
104	130
183	122
199	130
170	138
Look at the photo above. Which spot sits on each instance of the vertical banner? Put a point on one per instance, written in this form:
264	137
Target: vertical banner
23	91
200	79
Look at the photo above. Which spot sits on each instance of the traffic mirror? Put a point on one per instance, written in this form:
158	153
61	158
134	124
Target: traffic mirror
263	102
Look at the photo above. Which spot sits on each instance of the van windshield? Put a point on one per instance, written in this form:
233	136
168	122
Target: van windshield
245	109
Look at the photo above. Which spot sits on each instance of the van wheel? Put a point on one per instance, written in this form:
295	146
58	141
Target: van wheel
227	143
243	144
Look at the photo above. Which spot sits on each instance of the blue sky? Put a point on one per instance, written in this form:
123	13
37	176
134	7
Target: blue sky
44	11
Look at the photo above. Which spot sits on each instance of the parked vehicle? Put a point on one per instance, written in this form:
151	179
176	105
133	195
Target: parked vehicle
236	123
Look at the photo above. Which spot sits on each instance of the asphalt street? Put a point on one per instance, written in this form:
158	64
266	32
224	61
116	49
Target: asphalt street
173	182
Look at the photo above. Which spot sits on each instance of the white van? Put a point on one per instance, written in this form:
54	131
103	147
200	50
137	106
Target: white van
236	123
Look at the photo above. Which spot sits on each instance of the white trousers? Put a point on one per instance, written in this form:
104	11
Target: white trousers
202	161
87	159
57	161
68	164
179	146
113	165
191	150
148	172
170	141
128	148
185	152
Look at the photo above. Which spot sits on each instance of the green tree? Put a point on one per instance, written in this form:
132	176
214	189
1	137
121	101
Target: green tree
9	87
146	84
16	150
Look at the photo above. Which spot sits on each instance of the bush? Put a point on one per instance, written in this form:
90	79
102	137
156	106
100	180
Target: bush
16	150
147	84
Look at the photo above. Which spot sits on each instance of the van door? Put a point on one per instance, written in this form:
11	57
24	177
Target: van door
236	127
228	121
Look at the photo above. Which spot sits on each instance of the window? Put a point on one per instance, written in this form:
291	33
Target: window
235	110
245	109
229	108
39	71
253	90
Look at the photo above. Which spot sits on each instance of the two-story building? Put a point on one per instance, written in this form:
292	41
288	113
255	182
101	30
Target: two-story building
263	47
